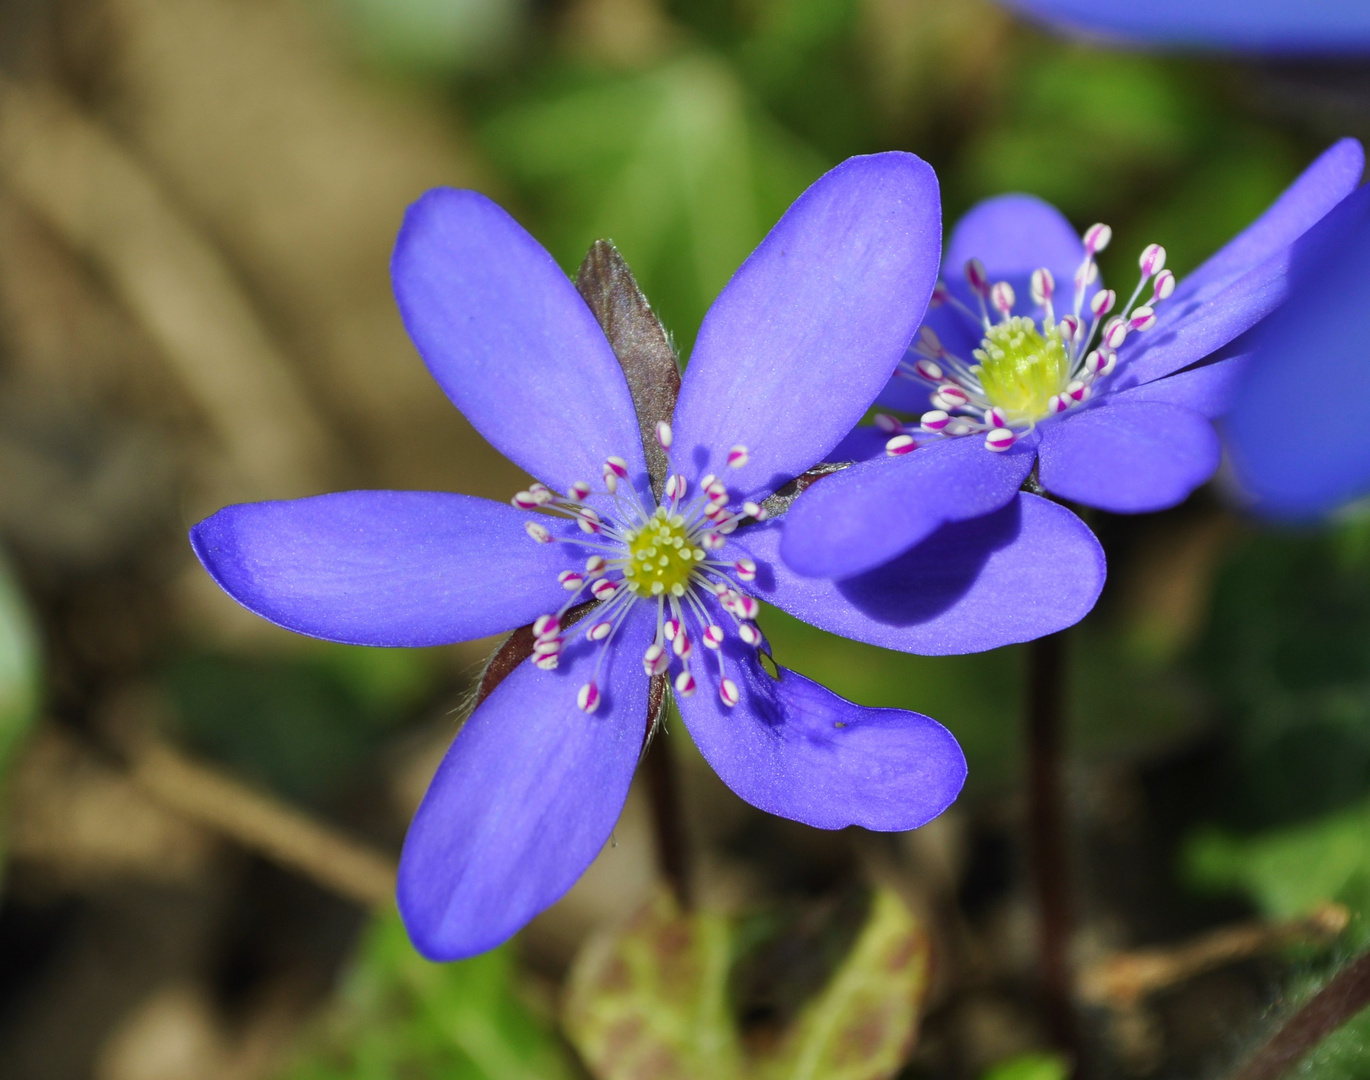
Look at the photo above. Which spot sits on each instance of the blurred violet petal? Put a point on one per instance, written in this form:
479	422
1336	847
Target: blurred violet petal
1129	457
510	341
796	749
1298	466
866	515
1267	27
524	800
1028	569
1207	389
383	567
796	347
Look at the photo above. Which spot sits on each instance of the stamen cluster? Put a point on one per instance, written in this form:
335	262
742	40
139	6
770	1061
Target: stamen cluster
1024	372
667	554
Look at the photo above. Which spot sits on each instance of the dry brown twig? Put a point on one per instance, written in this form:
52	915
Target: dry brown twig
263	824
1121	981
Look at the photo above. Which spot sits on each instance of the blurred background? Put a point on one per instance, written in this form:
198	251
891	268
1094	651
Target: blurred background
201	812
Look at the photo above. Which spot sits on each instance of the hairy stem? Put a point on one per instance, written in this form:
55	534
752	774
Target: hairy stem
1336	1003
1047	836
668	821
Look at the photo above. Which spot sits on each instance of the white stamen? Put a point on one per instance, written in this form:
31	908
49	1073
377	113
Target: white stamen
738	457
588	698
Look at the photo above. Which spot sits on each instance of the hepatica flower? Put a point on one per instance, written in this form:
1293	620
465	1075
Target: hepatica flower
1271	27
625	574
1027	366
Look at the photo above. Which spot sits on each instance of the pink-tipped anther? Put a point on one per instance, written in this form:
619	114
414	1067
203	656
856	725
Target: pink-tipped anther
1101	303
588	520
978	279
712	541
600	631
1115	333
1096	238
663	434
901	445
571	580
588	698
1077	391
546	663
713	637
929	342
754	510
1165	285
595	565
538	533
617	466
681	646
934	420
746	607
1152	260
1002	298
940	294
930	371
746	569
671	627
685	684
1000	439
603	589
547	647
1142	318
890	425
579	491
1043	286
1058	403
541	493
675	487
655	660
546	626
996	418
738	456
524	500
749	634
727	692
1070	327
950	396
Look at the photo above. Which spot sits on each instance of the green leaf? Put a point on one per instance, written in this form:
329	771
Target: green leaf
677	166
652	1001
1030	1067
862	1026
401	1015
1286	872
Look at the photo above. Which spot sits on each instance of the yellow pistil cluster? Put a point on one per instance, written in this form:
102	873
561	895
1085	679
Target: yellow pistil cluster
1020	369
661	556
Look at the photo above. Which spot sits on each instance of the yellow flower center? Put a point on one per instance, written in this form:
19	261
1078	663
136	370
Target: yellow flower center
1020	369
661	556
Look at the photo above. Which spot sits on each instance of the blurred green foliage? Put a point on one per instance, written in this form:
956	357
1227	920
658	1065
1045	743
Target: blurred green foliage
20	673
398	1015
299	724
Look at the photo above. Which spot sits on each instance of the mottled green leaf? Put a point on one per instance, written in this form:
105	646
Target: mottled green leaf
651	1002
862	1026
400	1015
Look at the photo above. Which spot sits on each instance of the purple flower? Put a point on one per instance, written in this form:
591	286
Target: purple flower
1270	27
788	359
1029	363
1295	466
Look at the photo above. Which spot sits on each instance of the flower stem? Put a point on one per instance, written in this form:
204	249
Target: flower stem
1342	998
668	819
1047	836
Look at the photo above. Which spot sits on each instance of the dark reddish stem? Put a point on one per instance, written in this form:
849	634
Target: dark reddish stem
1048	845
1347	994
668	819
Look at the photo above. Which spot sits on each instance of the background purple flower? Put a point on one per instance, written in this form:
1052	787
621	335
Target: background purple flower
1125	426
1273	27
788	359
1296	465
